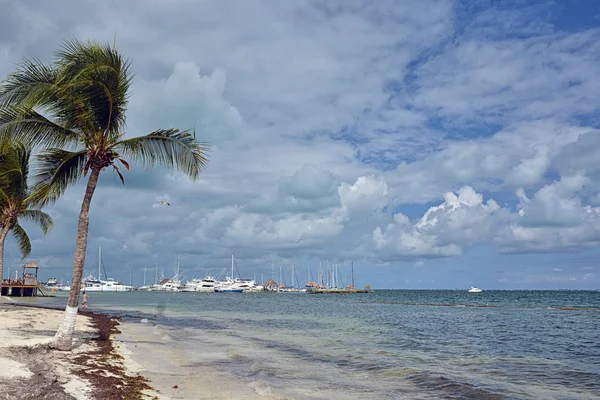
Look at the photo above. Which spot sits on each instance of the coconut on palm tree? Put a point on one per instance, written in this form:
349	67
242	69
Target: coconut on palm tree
75	109
16	200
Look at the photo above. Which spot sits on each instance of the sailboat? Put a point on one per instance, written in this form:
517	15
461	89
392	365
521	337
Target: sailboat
236	285
171	284
93	284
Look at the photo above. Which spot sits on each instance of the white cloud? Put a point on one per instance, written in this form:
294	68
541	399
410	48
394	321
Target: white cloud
460	221
367	194
189	100
554	219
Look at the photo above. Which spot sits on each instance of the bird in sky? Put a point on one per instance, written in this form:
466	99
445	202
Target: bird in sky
299	240
164	203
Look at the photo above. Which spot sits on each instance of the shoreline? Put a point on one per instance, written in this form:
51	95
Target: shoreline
94	368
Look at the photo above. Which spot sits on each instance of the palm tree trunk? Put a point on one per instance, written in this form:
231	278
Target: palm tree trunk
64	336
3	234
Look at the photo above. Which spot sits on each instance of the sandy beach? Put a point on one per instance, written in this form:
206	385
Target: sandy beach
94	369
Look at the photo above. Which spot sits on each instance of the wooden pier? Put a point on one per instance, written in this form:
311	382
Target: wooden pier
26	286
335	291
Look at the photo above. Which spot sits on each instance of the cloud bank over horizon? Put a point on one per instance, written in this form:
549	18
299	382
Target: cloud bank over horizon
435	144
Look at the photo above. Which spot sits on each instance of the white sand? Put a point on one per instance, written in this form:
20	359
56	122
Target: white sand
23	327
13	369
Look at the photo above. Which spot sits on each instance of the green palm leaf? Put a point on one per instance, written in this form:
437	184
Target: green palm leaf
25	125
102	76
22	240
54	172
38	217
32	84
168	148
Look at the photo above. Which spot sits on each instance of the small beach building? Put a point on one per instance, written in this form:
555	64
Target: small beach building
26	286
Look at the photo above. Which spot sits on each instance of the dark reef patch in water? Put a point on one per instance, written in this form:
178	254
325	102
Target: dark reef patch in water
449	389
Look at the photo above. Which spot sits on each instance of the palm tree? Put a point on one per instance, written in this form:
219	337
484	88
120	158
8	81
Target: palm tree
75	110
16	200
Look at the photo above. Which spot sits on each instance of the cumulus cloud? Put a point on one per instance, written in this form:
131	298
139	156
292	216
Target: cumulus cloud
189	100
554	219
462	220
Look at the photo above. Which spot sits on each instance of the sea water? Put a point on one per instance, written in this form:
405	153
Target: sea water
393	344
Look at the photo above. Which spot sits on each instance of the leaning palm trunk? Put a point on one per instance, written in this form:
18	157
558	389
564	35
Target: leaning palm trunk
64	336
3	234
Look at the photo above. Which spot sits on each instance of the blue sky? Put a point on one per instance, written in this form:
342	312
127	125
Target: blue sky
436	144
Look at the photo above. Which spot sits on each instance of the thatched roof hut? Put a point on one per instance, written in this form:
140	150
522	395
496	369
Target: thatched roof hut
312	284
270	284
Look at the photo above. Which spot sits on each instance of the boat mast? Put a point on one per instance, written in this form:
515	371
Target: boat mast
144	276
280	278
272	270
232	266
352	274
99	261
293	271
320	274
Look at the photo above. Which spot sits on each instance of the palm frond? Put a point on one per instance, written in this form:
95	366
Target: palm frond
25	125
38	217
22	240
14	169
168	148
32	84
55	170
102	76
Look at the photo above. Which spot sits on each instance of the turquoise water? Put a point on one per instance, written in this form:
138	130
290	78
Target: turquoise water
382	345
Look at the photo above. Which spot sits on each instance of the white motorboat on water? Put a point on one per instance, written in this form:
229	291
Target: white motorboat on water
236	285
475	290
53	284
206	284
93	284
170	285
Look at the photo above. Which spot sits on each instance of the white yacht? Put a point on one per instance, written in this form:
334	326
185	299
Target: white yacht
475	290
236	285
206	284
93	284
169	285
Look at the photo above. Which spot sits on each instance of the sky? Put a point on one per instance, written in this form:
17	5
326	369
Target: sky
429	143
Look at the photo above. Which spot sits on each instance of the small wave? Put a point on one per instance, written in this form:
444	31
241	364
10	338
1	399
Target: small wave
262	388
234	355
453	389
397	372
